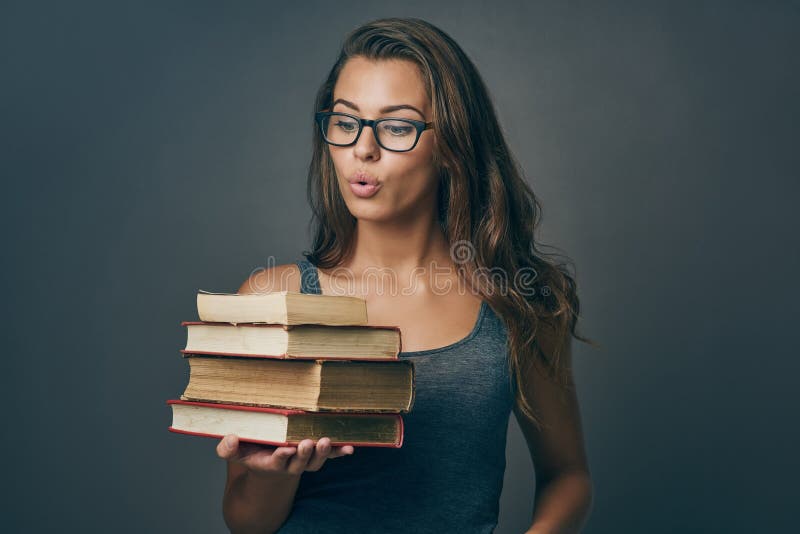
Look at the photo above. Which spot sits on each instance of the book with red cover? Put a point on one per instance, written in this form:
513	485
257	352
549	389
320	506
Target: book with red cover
282	427
309	342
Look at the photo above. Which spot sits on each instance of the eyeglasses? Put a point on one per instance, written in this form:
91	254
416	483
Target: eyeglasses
343	129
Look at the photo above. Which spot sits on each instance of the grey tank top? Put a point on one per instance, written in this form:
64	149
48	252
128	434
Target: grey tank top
448	475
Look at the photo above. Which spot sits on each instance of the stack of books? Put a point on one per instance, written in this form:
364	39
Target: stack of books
281	367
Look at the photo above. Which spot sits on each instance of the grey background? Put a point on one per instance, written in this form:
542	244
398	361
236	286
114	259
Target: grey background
149	150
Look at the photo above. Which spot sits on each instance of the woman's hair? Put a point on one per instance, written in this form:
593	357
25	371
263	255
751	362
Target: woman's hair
487	211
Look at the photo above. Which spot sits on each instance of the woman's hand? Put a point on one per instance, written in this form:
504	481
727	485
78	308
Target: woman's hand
267	460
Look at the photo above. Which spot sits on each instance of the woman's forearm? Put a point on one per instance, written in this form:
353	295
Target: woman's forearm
258	503
562	504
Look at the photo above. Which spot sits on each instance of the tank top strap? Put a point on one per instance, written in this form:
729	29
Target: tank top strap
309	278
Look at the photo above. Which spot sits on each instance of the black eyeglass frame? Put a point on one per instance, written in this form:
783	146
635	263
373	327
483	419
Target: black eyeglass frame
421	126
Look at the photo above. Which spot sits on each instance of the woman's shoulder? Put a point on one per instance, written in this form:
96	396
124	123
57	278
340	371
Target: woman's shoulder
284	277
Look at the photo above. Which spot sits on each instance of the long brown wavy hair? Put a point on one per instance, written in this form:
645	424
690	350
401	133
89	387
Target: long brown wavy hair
485	208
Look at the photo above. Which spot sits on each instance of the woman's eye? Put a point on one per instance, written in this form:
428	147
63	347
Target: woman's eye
398	130
346	126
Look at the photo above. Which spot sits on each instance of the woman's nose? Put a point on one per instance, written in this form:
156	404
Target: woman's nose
367	145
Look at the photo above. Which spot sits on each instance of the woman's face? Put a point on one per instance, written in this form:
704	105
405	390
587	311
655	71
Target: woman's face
406	181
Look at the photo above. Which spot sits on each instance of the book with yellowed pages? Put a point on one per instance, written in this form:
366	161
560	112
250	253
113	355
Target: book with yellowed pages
277	368
310	385
307	341
281	307
280	427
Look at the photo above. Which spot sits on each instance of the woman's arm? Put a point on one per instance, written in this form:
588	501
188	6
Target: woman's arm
563	482
255	502
262	481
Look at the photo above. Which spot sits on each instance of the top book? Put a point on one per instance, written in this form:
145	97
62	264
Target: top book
282	307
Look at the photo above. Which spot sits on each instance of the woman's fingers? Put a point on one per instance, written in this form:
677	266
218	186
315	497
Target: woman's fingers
306	456
320	455
280	458
254	456
228	447
346	450
298	463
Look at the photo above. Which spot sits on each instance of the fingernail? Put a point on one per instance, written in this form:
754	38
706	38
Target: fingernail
230	442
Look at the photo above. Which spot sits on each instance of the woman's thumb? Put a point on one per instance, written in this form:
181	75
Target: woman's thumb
227	447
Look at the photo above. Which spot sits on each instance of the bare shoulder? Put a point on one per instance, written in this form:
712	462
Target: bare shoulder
285	277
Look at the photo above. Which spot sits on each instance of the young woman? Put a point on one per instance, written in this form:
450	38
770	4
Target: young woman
431	200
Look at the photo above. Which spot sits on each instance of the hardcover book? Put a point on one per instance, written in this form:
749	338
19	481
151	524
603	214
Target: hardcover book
279	427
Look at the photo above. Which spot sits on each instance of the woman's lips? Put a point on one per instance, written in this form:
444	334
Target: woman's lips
364	190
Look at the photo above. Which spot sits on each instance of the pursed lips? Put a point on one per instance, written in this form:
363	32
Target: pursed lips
363	178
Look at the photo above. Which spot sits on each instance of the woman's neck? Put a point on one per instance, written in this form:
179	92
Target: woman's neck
402	247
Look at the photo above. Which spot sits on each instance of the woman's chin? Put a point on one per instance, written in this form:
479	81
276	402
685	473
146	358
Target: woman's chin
369	211
372	215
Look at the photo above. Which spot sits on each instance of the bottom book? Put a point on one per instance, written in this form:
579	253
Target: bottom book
281	427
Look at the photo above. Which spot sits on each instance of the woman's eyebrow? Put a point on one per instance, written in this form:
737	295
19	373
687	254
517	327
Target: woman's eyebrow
387	109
